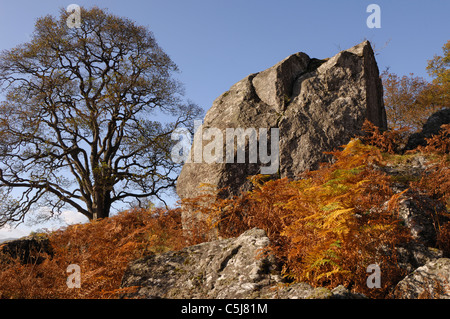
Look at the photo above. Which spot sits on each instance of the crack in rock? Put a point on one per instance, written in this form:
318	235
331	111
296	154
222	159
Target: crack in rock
233	253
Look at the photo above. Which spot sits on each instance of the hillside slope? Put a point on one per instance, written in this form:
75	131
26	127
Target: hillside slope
370	206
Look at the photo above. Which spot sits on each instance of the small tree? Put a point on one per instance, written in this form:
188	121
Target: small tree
439	69
77	122
403	102
410	100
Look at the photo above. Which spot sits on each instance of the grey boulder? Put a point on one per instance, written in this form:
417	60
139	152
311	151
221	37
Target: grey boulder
317	106
235	268
431	281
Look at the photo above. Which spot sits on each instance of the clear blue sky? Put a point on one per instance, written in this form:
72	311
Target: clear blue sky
216	43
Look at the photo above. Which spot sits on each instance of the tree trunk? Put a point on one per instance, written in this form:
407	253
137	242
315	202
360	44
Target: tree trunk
102	205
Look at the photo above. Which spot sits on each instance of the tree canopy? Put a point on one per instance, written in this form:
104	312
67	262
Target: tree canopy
78	122
410	100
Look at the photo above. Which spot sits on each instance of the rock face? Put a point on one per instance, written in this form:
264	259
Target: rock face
431	281
218	269
431	127
28	250
419	214
228	268
317	105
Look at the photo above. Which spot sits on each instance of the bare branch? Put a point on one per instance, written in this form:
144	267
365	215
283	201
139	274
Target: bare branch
78	126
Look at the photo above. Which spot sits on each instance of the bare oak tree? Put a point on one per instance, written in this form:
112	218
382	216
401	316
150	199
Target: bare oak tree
78	121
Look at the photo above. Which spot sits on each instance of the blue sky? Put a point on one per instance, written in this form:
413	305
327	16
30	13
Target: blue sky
217	43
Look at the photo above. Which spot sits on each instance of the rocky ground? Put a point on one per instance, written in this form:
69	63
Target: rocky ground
237	268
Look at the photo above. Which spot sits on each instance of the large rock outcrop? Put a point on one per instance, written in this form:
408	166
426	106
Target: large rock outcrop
317	105
221	269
